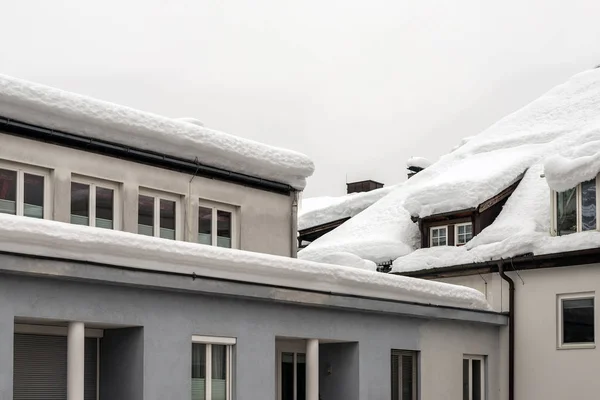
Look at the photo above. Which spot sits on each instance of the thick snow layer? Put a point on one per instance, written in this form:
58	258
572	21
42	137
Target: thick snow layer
55	239
562	128
418	162
320	210
573	166
56	109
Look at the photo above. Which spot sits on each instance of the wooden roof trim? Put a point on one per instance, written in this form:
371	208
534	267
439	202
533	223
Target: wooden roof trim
325	226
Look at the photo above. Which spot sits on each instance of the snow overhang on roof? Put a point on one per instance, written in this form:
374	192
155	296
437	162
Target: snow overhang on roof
76	114
559	132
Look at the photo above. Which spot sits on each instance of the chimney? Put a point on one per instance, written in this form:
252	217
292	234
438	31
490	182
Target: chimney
363	186
416	165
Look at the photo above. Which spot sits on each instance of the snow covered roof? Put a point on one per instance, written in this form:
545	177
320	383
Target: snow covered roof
184	138
321	210
557	134
128	250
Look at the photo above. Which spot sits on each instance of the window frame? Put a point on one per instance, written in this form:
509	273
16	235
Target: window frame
431	229
229	343
415	372
483	360
93	183
456	243
215	207
21	170
559	320
578	198
157	194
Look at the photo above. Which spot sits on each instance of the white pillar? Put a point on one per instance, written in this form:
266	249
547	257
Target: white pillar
312	369
75	360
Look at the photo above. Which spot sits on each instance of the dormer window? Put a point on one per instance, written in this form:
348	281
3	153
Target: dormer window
439	236
575	209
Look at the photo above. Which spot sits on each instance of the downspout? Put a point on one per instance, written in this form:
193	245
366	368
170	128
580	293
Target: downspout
511	330
294	224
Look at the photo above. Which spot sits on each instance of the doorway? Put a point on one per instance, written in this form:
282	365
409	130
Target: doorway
291	370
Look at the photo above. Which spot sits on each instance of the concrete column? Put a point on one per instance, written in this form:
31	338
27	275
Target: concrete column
312	369
75	360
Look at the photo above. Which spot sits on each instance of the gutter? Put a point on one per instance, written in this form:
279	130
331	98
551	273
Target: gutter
511	330
29	131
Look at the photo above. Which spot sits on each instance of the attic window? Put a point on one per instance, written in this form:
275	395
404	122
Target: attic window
439	236
575	209
464	233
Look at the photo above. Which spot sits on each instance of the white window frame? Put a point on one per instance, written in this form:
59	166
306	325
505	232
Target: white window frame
216	206
431	229
559	320
21	170
414	371
578	197
229	342
456	243
158	195
483	360
93	183
295	347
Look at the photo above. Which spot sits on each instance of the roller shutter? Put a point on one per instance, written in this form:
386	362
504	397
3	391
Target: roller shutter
40	367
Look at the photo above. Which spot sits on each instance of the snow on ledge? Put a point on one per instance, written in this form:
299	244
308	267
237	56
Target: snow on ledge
56	239
57	109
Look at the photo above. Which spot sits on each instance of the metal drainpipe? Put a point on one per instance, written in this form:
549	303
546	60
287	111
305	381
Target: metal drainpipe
294	224
511	330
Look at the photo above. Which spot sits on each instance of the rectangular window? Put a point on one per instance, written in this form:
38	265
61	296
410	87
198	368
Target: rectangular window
404	375
93	203
576	320
464	233
158	215
211	368
215	224
566	212
474	378
23	191
438	236
588	205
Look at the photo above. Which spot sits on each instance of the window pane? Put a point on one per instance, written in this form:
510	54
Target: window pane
578	320
33	196
407	377
223	229
167	219
146	215
435	233
198	371
80	200
476	365
465	379
8	191
300	376
104	208
566	212
588	205
205	225
287	376
219	372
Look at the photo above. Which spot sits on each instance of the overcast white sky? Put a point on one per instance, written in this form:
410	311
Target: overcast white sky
358	85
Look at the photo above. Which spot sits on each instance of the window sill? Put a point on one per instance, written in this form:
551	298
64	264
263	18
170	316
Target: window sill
576	346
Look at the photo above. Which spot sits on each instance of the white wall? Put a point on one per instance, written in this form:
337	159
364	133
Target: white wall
264	218
541	370
443	344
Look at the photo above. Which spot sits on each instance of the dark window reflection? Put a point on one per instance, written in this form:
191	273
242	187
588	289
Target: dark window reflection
205	225
167	219
33	196
223	229
566	212
8	191
146	215
104	208
588	205
80	200
578	320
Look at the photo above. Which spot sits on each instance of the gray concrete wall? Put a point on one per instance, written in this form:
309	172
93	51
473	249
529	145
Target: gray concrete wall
122	364
169	319
338	371
265	219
